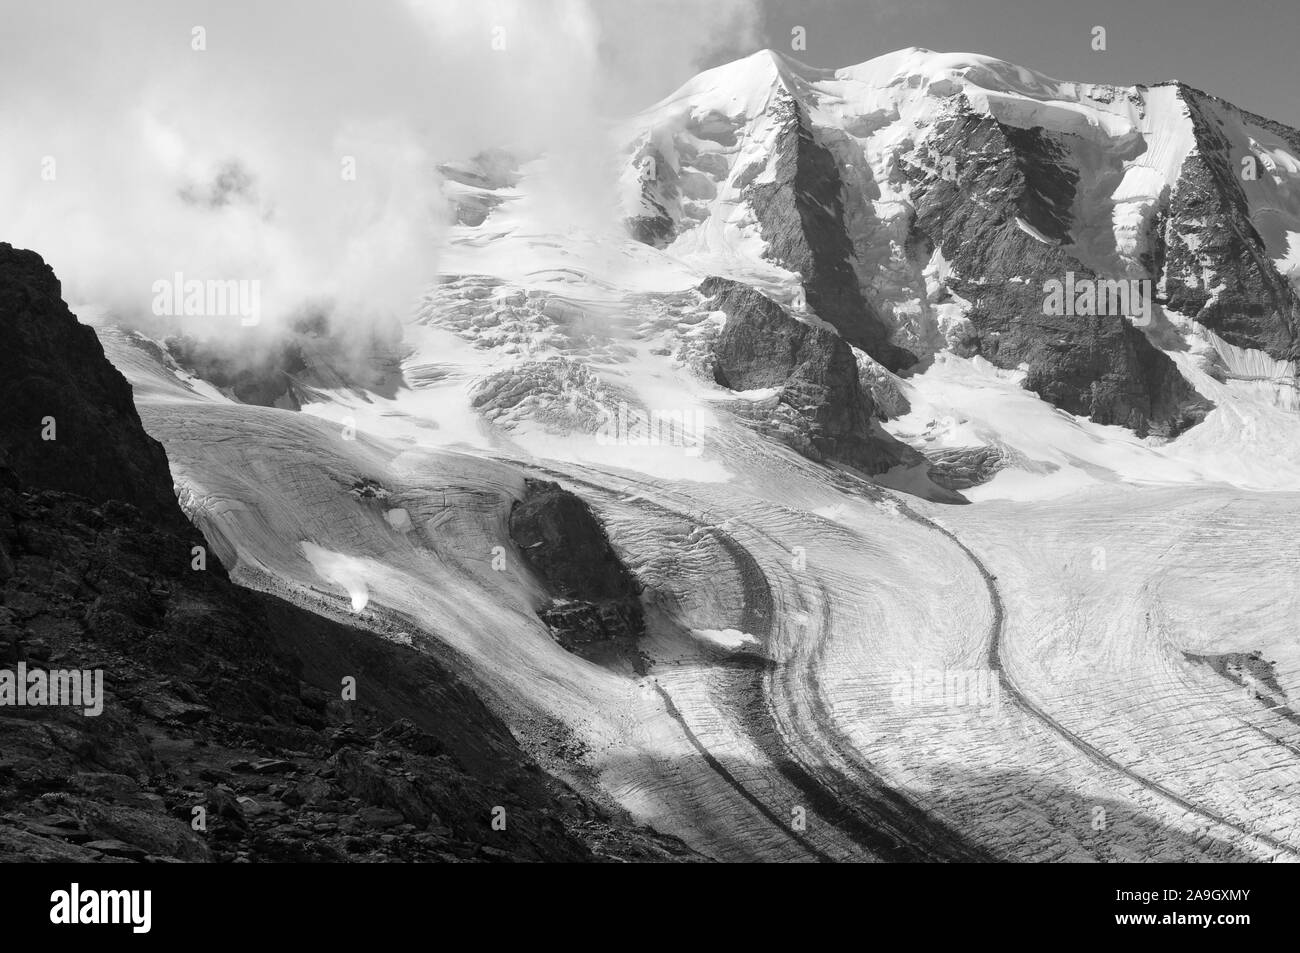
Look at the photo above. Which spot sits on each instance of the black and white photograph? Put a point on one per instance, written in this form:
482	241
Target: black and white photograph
650	432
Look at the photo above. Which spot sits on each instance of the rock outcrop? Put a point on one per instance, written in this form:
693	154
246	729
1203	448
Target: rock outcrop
70	422
820	407
594	596
960	468
273	366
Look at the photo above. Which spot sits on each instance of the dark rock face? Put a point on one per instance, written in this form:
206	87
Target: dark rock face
1001	173
660	188
215	697
1256	675
489	169
53	366
1094	366
596	597
825	412
801	216
882	391
1210	241
1097	366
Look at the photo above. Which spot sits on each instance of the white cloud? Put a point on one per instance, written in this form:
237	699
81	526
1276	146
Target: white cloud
140	126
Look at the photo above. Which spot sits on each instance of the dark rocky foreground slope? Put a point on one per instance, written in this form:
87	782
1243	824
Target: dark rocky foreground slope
227	731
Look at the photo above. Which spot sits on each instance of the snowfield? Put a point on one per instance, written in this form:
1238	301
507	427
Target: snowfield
1095	660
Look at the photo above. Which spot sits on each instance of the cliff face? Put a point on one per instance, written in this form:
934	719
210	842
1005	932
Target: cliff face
70	422
801	216
821	408
1215	265
1095	366
1099	366
234	725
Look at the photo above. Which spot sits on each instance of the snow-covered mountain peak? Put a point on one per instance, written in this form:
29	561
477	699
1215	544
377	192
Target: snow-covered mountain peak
739	89
915	65
914	205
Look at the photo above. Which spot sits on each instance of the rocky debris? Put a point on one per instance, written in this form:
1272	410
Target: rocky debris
1097	366
224	733
961	468
368	489
801	217
56	383
819	407
596	598
577	623
656	230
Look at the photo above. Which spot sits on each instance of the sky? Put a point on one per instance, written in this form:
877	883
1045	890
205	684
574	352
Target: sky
1244	51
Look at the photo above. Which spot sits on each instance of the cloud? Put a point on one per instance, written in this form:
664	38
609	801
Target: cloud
219	139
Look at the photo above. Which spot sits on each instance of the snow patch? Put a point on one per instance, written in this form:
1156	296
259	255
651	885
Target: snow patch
732	639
